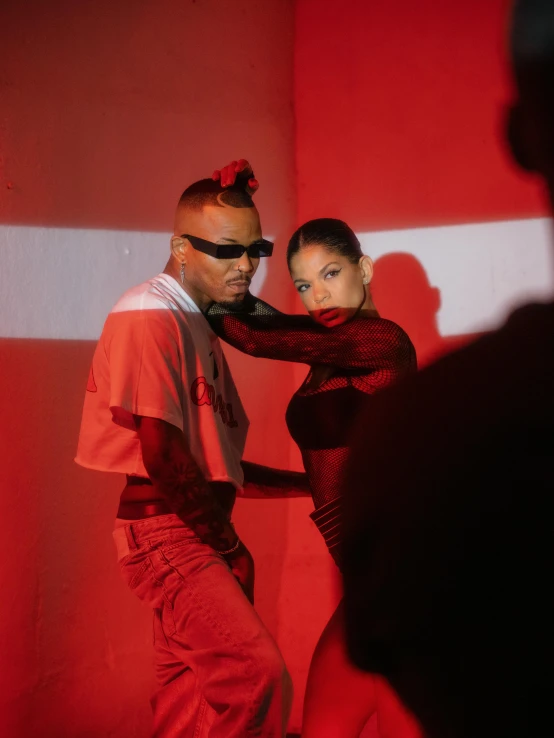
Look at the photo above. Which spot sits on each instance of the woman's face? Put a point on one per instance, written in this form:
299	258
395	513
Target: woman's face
332	288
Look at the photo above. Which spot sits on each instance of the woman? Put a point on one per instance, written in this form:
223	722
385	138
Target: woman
352	353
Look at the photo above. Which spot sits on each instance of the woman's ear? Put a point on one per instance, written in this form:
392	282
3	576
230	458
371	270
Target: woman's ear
366	267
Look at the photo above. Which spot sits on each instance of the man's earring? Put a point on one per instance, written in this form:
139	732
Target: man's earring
182	273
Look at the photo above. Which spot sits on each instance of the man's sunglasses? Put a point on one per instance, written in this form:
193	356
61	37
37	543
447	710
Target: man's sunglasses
230	250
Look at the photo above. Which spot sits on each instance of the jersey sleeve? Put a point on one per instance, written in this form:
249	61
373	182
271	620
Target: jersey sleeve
363	343
145	367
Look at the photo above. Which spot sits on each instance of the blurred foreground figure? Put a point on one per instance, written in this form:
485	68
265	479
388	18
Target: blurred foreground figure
448	559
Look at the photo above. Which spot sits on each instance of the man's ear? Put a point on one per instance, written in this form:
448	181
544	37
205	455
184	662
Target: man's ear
179	248
517	138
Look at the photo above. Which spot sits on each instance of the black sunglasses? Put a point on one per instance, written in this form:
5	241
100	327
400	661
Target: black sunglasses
230	250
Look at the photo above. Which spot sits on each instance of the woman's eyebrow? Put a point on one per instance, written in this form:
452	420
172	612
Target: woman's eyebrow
328	265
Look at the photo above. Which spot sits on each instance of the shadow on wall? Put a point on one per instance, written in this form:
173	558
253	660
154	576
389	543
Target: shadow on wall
402	293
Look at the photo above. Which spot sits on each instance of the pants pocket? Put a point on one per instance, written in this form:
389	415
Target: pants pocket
145	583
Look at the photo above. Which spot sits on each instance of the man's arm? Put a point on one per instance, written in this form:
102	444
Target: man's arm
177	477
265	482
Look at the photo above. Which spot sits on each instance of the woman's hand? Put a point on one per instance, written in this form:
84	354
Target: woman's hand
237	170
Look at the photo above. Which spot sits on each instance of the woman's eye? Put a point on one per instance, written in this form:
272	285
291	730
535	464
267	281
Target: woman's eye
332	273
303	288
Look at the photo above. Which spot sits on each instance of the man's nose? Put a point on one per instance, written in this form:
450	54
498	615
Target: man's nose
244	264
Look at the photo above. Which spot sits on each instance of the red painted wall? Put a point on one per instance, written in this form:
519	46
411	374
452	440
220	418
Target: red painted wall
400	114
107	111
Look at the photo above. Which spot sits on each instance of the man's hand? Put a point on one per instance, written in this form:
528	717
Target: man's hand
237	170
242	566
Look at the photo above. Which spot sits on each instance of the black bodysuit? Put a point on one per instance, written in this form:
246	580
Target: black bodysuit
366	354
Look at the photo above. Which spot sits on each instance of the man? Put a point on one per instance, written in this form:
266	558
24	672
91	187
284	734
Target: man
162	408
448	550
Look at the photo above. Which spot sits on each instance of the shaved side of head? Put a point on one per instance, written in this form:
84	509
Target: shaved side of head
208	192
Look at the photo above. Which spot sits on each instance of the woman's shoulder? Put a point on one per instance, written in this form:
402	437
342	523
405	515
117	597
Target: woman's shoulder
373	324
389	336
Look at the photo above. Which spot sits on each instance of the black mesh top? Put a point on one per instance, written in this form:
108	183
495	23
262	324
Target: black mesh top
364	355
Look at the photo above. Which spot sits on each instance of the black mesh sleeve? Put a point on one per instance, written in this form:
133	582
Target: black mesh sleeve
363	343
251	305
265	481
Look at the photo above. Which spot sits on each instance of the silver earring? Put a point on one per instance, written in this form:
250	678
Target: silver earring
366	281
182	273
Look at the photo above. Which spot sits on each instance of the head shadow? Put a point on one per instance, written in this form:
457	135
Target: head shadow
403	293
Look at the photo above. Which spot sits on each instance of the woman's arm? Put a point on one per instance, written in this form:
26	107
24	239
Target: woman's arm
266	483
251	305
363	343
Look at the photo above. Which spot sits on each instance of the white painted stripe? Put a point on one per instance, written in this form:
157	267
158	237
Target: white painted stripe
483	271
62	282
